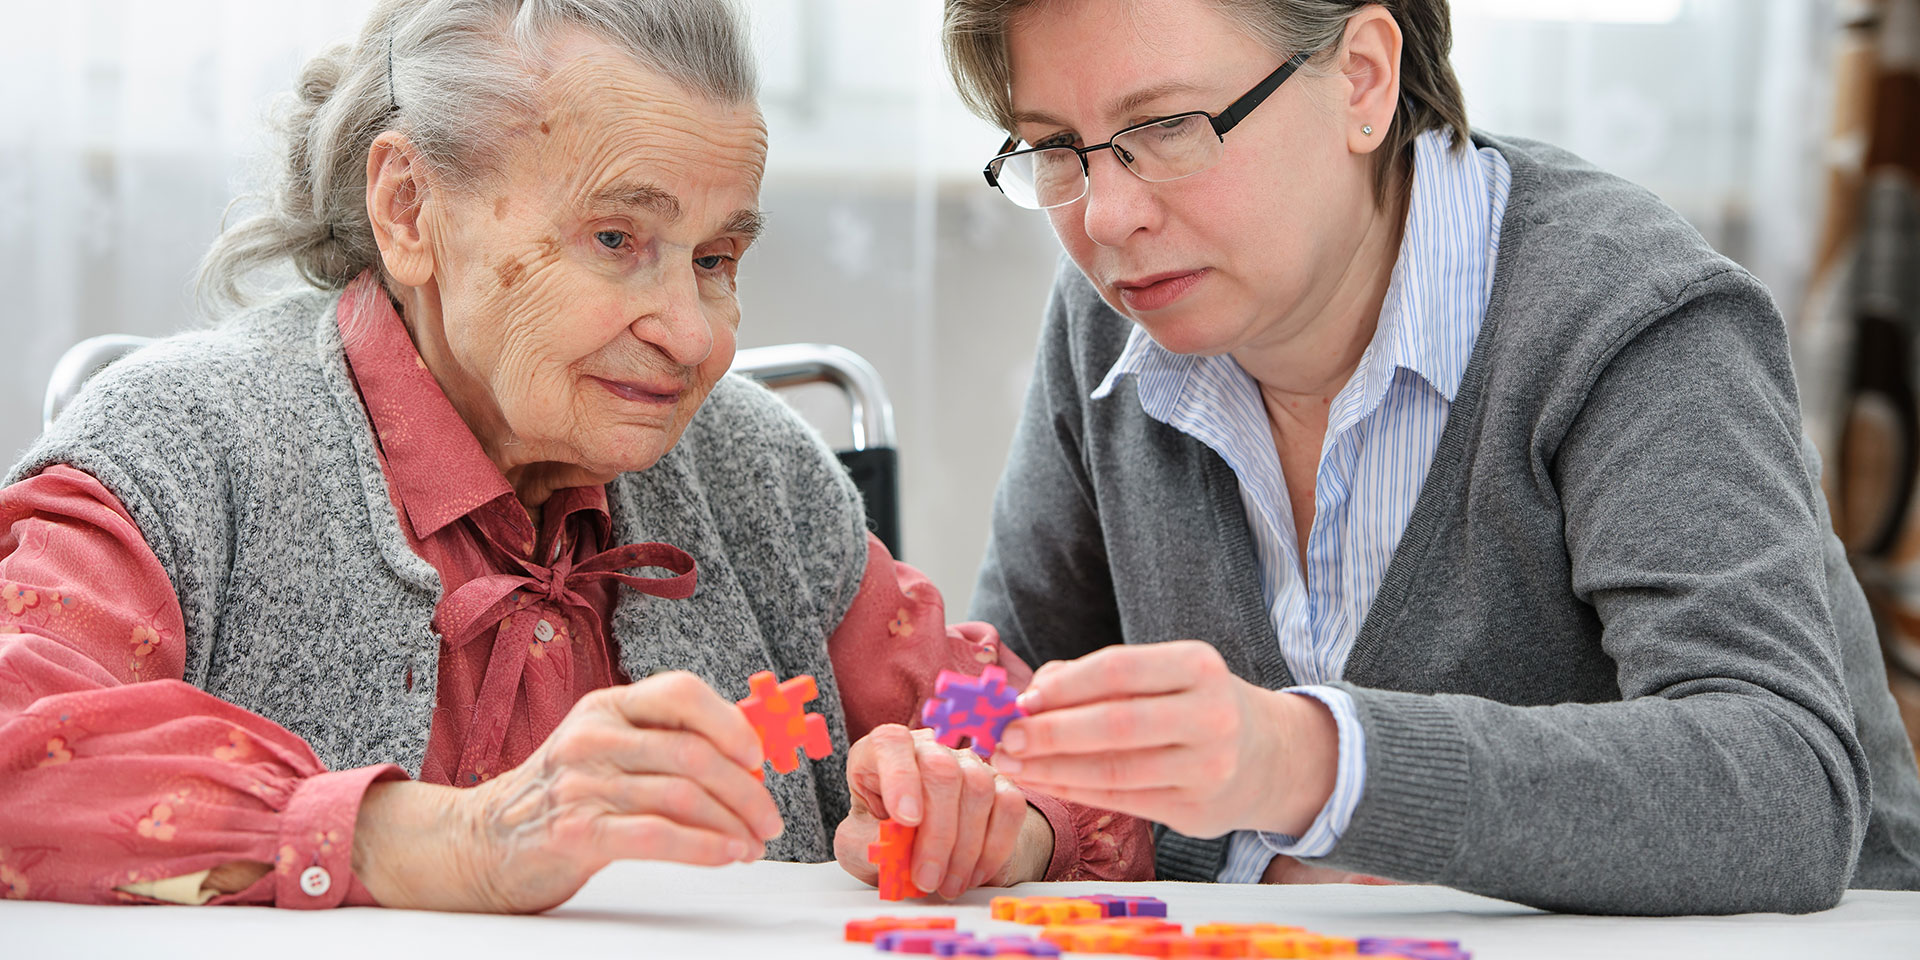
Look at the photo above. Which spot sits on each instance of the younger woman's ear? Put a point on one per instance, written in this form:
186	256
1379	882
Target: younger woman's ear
1370	62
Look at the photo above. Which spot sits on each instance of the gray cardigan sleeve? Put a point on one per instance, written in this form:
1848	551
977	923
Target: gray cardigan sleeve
1044	582
1728	777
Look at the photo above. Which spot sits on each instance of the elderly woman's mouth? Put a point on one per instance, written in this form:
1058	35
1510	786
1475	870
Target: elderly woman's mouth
655	393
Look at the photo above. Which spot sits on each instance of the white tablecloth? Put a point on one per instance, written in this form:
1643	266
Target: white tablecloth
780	911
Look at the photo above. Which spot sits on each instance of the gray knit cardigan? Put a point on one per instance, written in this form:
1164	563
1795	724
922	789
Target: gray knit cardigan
1617	663
246	458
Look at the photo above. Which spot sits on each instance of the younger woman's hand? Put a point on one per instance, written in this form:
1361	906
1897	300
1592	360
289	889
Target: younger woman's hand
1166	732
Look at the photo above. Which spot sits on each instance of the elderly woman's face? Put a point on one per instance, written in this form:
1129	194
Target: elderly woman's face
587	291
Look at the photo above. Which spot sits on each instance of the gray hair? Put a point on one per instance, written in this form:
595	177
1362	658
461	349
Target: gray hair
455	77
975	33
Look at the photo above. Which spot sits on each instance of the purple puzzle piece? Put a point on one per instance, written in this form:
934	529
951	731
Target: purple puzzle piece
976	708
1113	906
997	947
918	941
1414	949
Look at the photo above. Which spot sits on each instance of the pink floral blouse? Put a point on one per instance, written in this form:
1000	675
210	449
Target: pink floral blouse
121	783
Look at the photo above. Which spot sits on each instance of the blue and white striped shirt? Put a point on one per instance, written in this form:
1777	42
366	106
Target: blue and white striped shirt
1382	430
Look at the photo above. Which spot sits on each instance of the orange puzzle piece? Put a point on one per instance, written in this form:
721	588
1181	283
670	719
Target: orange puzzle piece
1175	945
893	855
1303	945
865	931
1045	911
1246	930
778	712
1106	935
1079	938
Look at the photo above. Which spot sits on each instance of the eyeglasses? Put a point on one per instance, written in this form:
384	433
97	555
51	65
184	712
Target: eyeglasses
1041	178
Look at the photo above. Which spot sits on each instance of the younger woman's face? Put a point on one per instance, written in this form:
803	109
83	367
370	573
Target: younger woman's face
1239	252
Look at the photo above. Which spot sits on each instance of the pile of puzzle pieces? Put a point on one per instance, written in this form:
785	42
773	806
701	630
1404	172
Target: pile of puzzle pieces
1135	926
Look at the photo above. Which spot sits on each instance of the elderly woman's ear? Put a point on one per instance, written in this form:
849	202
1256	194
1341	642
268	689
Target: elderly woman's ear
397	193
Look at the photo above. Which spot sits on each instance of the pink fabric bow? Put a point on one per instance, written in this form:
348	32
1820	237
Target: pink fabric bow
482	603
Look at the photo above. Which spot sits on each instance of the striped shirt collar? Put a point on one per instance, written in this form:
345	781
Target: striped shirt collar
1425	326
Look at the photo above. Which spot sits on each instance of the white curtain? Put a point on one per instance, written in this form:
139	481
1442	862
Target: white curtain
126	126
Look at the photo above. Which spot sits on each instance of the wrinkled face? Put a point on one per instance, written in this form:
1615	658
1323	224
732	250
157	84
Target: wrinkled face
1243	252
587	290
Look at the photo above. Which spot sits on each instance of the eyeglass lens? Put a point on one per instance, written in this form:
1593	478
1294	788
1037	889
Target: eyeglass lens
1169	150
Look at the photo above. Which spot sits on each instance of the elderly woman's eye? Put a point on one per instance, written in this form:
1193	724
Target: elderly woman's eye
611	239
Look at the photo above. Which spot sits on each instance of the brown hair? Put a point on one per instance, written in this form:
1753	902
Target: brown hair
975	35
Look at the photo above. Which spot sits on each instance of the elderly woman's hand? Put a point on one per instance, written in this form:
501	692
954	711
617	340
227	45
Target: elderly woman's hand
974	826
661	769
1166	732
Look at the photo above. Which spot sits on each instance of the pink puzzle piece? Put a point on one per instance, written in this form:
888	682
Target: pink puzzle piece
778	712
975	708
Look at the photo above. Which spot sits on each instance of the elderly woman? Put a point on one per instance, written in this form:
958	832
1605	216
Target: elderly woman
382	528
1405	501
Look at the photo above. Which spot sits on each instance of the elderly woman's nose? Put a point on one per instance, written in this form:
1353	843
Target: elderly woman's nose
678	326
1117	203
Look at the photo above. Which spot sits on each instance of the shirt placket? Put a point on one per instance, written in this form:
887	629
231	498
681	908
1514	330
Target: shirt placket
1332	491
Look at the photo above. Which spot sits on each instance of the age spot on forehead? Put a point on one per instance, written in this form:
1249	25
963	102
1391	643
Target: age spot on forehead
500	209
544	128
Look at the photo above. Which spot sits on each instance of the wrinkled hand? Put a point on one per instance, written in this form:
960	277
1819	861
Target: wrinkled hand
974	825
1165	731
655	770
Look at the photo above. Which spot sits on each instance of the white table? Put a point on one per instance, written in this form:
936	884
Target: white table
777	911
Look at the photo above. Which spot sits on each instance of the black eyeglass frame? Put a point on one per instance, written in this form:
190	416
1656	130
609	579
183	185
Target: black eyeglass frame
1221	122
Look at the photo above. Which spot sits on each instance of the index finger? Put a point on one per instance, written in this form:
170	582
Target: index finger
1119	672
1136	723
883	770
681	701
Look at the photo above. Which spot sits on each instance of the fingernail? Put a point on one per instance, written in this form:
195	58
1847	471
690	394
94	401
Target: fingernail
979	877
772	827
1007	764
736	850
1014	740
909	809
1028	701
927	877
953	887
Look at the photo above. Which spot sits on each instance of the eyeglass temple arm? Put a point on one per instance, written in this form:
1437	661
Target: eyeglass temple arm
1238	110
987	171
